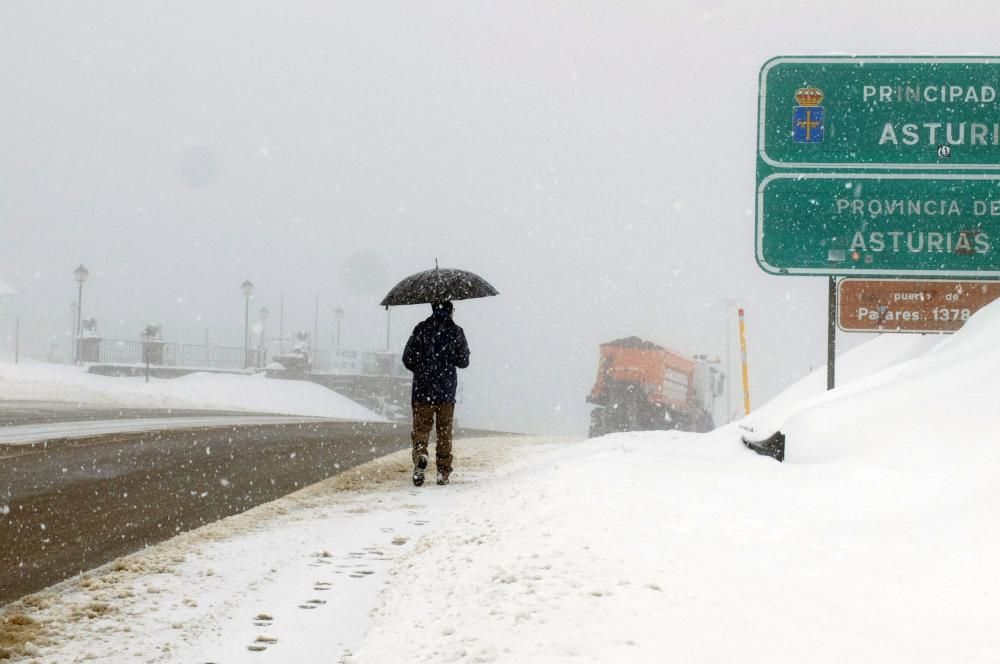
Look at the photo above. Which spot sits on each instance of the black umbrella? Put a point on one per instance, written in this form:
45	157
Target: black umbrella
438	285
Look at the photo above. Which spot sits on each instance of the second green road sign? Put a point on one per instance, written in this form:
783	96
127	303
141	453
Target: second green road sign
879	166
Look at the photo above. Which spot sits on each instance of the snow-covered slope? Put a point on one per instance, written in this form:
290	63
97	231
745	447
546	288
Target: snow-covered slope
56	382
897	394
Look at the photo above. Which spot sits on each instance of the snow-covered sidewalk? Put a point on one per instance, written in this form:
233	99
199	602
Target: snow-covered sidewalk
294	580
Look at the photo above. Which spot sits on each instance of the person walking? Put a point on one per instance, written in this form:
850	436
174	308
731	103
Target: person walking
435	348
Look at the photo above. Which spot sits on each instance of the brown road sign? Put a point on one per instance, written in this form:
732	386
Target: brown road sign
903	305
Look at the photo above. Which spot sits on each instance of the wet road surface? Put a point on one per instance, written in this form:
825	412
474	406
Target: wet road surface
67	506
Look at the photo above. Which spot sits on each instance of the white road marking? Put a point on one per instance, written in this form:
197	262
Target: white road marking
35	433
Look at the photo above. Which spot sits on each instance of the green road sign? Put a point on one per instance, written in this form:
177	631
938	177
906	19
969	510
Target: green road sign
879	166
881	112
905	224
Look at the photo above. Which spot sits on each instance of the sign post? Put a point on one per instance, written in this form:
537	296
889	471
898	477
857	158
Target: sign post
831	332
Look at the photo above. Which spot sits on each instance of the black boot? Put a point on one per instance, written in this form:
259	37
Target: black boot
418	470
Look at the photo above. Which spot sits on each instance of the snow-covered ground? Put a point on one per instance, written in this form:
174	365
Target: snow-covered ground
255	393
875	542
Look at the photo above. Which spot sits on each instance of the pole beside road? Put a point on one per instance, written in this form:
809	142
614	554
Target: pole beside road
247	288
831	333
80	274
743	360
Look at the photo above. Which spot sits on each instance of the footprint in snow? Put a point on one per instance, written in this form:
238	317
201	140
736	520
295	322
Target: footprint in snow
312	603
322	585
263	620
361	573
261	643
320	558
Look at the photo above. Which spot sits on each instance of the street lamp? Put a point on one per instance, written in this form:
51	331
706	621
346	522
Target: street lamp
247	287
72	329
338	315
265	313
80	274
148	336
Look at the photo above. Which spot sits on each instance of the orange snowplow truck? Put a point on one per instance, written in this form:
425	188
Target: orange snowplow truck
641	386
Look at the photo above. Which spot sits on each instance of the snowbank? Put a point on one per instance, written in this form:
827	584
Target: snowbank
54	382
932	394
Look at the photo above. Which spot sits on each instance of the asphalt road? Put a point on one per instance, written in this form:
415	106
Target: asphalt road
67	506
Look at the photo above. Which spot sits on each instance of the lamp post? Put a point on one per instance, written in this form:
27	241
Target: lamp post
265	313
315	339
148	336
338	315
247	287
72	329
80	274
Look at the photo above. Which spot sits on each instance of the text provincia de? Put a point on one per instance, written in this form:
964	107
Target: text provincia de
918	241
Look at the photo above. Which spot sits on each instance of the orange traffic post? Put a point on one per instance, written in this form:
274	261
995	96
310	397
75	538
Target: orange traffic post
746	373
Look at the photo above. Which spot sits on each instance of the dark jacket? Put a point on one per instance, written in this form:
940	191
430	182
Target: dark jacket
435	348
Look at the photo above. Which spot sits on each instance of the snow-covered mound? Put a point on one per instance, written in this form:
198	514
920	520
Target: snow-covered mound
897	394
55	382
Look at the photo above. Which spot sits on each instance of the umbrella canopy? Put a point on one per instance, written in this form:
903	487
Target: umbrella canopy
438	285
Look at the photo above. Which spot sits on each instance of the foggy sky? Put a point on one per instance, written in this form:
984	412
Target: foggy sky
594	161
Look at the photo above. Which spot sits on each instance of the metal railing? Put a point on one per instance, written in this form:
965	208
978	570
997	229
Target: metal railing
214	357
229	358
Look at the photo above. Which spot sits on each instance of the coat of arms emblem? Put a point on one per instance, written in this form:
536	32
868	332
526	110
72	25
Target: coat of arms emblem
807	117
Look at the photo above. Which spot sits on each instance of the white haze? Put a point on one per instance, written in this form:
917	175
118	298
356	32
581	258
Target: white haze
595	161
